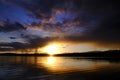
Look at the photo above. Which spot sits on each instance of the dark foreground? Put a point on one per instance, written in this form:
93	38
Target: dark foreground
58	68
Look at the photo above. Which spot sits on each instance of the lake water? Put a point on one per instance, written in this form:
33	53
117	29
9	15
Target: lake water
58	68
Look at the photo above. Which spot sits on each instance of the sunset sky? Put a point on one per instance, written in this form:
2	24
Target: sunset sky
61	25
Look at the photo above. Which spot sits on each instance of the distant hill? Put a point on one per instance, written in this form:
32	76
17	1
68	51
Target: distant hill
110	53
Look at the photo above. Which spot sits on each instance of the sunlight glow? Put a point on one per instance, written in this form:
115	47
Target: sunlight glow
52	49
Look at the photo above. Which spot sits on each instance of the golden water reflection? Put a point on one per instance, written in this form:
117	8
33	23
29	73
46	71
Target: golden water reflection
51	60
64	64
61	64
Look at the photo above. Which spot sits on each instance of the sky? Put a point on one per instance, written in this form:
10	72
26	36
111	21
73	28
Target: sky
70	25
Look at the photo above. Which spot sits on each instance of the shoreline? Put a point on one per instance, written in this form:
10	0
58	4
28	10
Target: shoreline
100	54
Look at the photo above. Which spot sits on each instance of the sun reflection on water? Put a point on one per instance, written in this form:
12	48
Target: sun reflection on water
61	64
51	60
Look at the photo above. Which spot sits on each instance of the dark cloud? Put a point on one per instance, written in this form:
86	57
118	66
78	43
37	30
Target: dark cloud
11	46
109	30
12	37
8	26
32	42
36	7
36	41
95	21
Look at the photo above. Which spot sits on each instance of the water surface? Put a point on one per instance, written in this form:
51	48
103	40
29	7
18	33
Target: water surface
58	68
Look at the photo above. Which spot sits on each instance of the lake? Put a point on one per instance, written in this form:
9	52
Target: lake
58	68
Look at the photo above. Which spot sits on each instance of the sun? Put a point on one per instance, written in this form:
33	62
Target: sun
52	49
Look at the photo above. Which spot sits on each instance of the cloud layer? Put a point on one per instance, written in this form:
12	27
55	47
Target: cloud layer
74	21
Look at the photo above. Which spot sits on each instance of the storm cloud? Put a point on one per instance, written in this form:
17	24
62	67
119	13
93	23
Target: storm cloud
7	26
93	21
